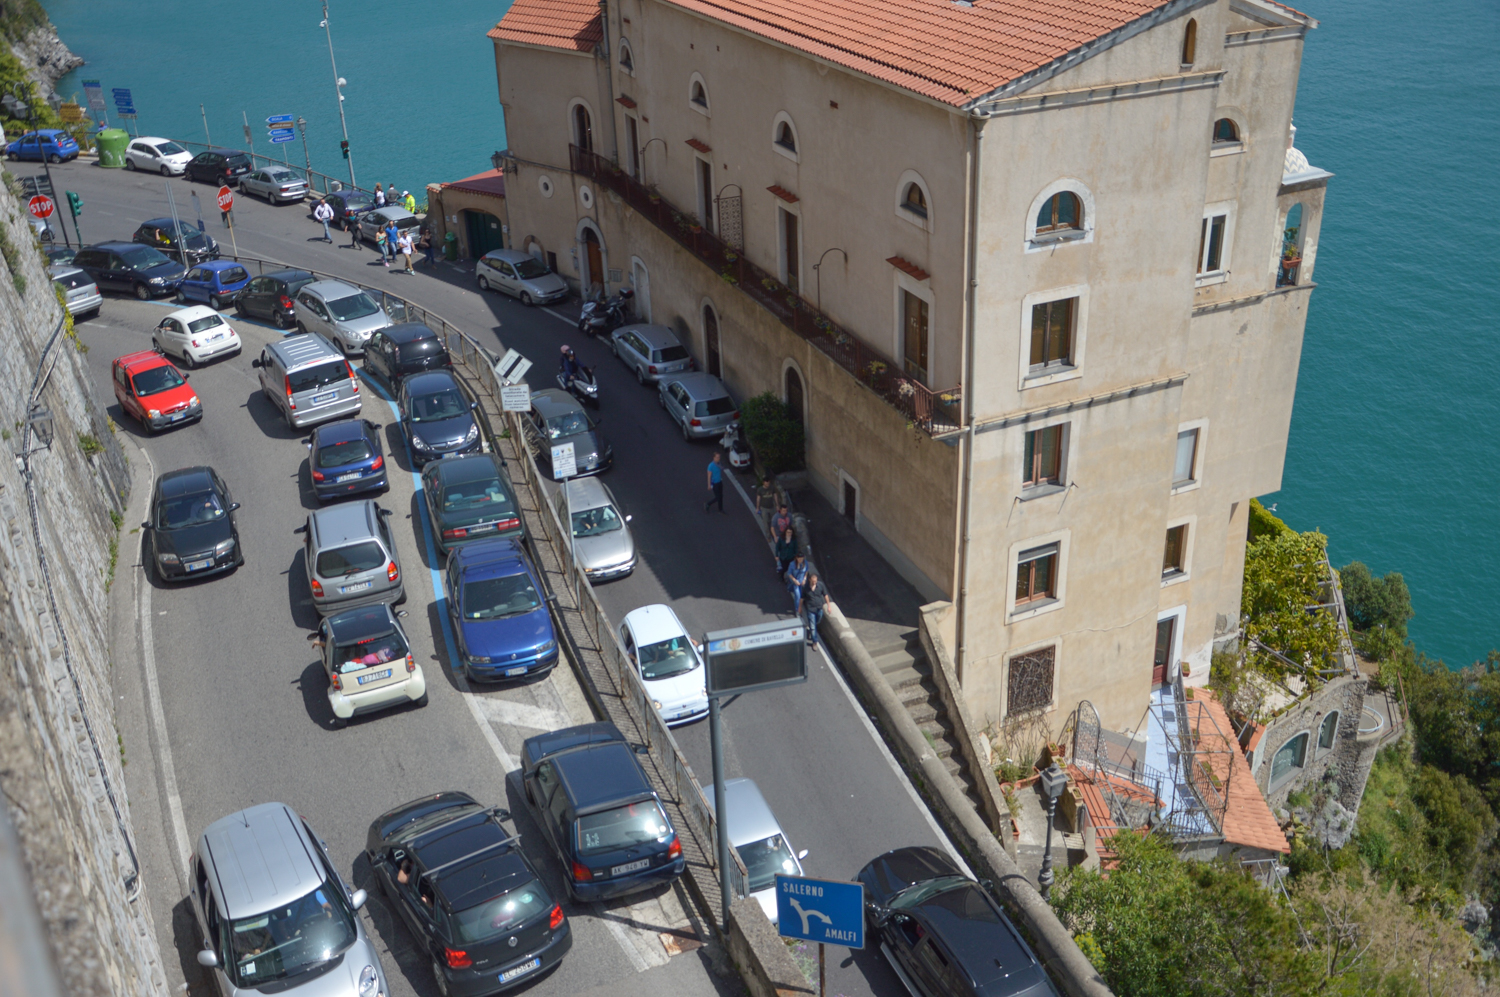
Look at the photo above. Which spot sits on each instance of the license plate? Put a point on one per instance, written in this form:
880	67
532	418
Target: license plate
347	477
355	588
521	970
512	672
376	677
325	397
481	528
216	337
178	417
620	870
200	565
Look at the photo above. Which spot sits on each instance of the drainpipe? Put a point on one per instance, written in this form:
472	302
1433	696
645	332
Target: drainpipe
609	79
977	122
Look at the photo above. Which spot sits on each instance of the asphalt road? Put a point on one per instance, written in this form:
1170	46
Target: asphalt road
240	701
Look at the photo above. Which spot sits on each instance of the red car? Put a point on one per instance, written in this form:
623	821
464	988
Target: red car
156	393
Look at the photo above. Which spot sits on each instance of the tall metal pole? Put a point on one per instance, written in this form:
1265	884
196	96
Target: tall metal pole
205	124
721	810
176	225
302	127
338	83
249	137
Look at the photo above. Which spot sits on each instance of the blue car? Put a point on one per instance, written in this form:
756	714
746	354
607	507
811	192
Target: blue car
499	613
51	144
215	283
345	458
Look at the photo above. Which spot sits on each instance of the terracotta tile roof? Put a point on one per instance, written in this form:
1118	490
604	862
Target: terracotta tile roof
565	24
491	182
625	101
908	267
1248	820
936	48
783	193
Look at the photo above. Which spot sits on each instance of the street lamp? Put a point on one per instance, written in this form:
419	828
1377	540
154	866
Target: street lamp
1054	782
817	269
339	83
39	422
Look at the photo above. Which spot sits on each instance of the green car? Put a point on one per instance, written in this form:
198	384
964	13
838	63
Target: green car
470	498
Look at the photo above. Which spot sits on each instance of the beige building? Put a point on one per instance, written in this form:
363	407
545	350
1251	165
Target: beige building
1018	267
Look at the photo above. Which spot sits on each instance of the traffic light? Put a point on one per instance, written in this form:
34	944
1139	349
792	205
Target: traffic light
75	204
344	145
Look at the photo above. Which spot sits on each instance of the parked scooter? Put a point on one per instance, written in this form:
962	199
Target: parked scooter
581	386
735	448
602	318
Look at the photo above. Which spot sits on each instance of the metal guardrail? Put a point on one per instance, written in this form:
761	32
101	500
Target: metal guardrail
259	161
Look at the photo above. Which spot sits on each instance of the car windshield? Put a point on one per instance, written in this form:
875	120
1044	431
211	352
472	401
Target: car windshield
205	323
369	652
667	657
447	403
764	859
282	176
189	510
318	376
354	306
238	160
622	827
500	914
295	284
567	424
715	406
592	522
366	555
170	149
669	354
291	939
358	202
156	380
142	258
339	454
918	892
73	281
497	598
530	268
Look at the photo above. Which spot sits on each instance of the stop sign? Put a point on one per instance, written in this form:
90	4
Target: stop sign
226	199
41	206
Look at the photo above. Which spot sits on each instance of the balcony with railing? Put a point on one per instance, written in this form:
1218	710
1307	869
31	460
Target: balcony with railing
934	412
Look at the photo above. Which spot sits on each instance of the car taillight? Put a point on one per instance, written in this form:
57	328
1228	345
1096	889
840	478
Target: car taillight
457	958
556	920
411	665
379	463
674	850
695	422
285	301
337	682
317	475
289	402
195	343
652	369
392	572
508	524
316	586
352	378
455	533
735	416
581	874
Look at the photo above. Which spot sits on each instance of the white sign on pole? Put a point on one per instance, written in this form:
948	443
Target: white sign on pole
515	397
512	367
563	464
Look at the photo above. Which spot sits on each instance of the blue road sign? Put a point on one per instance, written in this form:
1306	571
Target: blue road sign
282	133
279	119
125	110
121	92
122	101
821	910
281	138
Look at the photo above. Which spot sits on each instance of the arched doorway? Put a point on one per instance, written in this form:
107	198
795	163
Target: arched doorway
794	401
593	259
583	128
711	341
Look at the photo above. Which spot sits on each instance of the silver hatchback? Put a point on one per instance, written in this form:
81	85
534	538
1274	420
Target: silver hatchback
350	557
652	351
601	533
276	184
343	313
519	275
82	294
699	403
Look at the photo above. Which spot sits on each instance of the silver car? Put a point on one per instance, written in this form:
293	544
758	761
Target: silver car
276	184
344	314
757	836
273	914
652	351
699	404
82	294
381	217
519	275
350	557
601	533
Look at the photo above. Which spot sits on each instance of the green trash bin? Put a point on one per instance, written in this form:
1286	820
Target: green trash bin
112	143
450	247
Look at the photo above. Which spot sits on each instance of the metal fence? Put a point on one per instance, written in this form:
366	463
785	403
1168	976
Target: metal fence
313	177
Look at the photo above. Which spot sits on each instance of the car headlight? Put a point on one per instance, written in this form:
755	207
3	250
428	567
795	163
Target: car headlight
194	401
419	443
157	280
368	981
167	558
656	703
473	433
225	547
544	648
154	413
479	659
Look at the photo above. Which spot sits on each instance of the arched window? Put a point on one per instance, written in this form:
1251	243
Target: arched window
1226	130
1061	212
785	137
1190	43
700	94
794	401
914	200
627	61
1328	732
583	128
1288	268
1289	760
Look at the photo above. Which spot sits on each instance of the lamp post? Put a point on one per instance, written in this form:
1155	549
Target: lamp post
339	83
817	269
1054	782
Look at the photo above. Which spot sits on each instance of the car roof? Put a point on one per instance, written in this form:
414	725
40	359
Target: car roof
508	255
554	401
219	265
749	815
289	274
115	246
261	859
57	270
588	493
702	386
393	212
601	775
150	138
295	351
468	467
341	432
428	380
142	360
166	222
407	332
655	336
340	524
981	938
194	311
361	624
495	558
226	152
652	624
494	868
185	481
329	289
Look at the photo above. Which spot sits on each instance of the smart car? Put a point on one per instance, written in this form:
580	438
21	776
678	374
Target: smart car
368	661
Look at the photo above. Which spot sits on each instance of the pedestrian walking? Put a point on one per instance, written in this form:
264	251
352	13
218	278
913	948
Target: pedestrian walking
715	483
815	602
796	577
786	552
426	245
379	197
324	214
351	223
407	248
765	506
392	234
408	202
380	248
781	522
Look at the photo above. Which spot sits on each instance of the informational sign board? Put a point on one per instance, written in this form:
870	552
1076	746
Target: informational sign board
278	119
282	134
563	464
515	397
512	367
821	910
71	113
761	656
41	206
225	199
124	103
93	92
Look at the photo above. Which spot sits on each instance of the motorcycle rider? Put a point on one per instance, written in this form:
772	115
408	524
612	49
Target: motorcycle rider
569	367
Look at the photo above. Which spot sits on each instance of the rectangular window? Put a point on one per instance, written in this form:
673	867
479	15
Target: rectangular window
1174	561
791	264
1036	575
1044	449
706	193
1211	244
632	139
1187	455
1028	684
1052	333
914	334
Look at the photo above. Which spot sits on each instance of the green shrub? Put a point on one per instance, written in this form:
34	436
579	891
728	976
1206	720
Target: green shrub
1375	603
1263	523
773	434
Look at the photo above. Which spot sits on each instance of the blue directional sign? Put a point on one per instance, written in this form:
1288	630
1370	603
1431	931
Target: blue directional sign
281	133
280	138
821	910
279	119
121	92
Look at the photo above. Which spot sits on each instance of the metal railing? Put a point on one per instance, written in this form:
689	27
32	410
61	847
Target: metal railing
933	411
313	177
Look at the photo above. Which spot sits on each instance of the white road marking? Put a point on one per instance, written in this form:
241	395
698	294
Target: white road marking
627	938
560	316
515	714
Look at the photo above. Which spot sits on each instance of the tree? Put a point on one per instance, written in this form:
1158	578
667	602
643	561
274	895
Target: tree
1376	602
1284	585
773	434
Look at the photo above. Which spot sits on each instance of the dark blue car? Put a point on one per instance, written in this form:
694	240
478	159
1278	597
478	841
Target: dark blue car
51	144
499	613
437	417
345	458
599	812
214	283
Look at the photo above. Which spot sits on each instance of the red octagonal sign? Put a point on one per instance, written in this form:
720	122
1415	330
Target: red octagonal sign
226	199
41	206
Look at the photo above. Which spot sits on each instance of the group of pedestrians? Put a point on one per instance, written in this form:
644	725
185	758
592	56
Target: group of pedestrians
389	240
809	593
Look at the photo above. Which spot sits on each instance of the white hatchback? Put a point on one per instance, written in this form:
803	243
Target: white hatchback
667	661
195	334
157	155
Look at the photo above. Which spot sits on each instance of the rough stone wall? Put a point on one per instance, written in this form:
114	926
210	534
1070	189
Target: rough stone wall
56	721
45	57
1342	764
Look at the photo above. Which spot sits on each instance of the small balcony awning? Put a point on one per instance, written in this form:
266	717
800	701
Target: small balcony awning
783	193
908	267
625	101
700	146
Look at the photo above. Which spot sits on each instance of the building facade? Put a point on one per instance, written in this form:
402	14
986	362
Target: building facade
1034	279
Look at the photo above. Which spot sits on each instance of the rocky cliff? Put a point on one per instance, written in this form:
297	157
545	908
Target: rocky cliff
33	41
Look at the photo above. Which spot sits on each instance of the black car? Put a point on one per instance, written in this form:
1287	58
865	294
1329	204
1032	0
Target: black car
218	166
269	297
437	417
175	239
345	457
943	932
192	530
468	893
407	348
469	498
349	204
599	812
129	268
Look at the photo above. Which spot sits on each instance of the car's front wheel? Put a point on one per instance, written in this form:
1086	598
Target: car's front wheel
143	292
484	285
166	171
129	163
526	299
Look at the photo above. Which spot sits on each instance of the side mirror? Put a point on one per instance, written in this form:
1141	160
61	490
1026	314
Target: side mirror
501	813
372	425
233	506
145	526
256	362
880	914
358	899
802	855
401	613
207	958
300	529
382	512
629	518
185	375
314	635
473	406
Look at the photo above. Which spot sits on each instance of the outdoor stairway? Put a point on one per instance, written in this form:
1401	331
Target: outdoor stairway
904	664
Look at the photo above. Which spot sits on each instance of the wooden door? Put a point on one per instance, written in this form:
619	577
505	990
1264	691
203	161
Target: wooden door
711	341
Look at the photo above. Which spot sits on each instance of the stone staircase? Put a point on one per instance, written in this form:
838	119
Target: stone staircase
901	659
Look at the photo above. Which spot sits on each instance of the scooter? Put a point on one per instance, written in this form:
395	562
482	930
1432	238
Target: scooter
583	386
601	318
735	448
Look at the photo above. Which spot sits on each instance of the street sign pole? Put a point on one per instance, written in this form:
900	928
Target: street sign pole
206	136
721	809
338	85
302	127
248	138
177	225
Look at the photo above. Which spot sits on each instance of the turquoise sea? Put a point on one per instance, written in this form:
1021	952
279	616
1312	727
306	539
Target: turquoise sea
1395	442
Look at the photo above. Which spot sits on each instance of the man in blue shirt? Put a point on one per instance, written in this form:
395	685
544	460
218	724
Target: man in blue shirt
715	483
